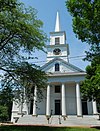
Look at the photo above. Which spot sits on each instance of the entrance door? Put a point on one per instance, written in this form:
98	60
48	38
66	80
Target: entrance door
84	108
57	107
31	107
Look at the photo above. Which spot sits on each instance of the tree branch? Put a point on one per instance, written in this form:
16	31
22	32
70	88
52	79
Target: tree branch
6	42
8	71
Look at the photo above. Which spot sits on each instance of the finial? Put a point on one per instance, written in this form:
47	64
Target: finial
57	26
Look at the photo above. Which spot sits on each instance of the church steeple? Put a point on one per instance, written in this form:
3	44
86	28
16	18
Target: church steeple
58	47
57	25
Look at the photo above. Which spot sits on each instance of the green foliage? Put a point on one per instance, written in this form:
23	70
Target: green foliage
20	34
91	86
86	26
6	98
3	113
86	23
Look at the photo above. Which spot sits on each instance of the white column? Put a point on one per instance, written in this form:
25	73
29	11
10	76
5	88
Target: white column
20	105
25	108
34	101
78	100
94	107
48	101
63	100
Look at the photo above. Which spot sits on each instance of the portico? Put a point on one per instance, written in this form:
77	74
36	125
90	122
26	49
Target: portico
63	99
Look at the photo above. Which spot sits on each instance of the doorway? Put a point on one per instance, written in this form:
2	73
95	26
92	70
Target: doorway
31	107
57	107
84	108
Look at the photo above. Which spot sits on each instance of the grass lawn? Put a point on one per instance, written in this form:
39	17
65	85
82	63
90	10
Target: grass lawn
43	128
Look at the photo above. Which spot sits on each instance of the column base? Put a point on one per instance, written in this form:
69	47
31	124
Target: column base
95	113
79	115
48	116
19	113
64	117
34	115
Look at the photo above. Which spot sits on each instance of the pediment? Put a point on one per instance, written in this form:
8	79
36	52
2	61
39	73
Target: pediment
65	67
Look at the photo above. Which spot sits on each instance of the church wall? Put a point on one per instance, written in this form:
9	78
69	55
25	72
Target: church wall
55	35
15	106
64	51
63	55
15	109
90	109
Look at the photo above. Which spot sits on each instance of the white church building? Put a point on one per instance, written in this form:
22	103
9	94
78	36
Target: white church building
62	95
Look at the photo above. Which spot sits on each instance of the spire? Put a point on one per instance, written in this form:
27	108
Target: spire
57	26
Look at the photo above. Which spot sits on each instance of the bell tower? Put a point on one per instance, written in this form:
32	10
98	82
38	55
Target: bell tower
58	47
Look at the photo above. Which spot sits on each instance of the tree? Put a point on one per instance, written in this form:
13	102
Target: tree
3	113
20	35
86	23
91	85
6	98
86	26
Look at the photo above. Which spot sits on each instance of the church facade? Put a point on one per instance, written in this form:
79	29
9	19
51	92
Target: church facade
62	95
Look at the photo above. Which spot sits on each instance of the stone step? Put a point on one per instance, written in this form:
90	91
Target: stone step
41	119
57	120
29	119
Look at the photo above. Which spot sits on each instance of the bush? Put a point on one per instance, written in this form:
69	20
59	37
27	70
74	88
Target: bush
3	113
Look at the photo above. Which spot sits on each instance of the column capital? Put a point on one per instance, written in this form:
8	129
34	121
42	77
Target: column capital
48	84
35	86
77	82
63	83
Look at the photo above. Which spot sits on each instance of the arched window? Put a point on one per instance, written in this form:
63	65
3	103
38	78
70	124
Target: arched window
57	68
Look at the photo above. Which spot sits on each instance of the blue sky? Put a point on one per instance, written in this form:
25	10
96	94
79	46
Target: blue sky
47	10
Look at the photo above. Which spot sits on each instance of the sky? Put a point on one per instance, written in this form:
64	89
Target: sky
47	10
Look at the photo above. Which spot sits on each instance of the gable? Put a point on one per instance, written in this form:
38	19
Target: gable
64	67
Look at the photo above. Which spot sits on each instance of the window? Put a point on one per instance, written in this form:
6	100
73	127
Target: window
57	41
57	67
57	89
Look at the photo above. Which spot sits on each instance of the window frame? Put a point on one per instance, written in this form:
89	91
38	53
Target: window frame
57	67
57	89
57	40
